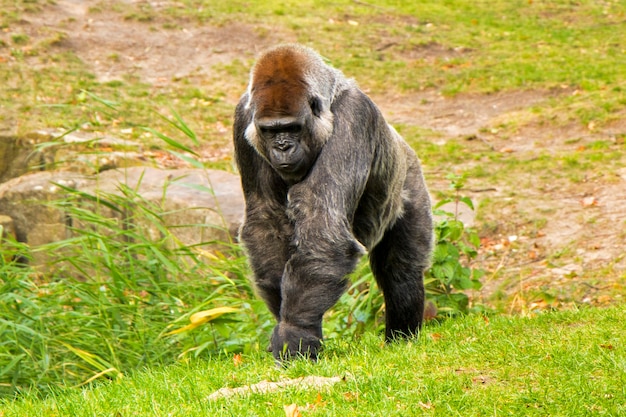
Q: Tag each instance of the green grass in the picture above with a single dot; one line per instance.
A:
(110, 294)
(557, 364)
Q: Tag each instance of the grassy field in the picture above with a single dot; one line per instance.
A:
(558, 364)
(525, 99)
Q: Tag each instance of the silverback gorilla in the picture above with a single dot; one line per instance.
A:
(324, 177)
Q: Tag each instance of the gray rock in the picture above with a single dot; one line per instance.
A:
(54, 149)
(202, 205)
(18, 155)
(24, 199)
(7, 227)
(194, 213)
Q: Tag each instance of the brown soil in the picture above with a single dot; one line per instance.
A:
(584, 221)
(117, 46)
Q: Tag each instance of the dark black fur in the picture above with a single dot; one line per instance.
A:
(351, 185)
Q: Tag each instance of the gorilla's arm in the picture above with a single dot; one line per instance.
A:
(267, 231)
(321, 208)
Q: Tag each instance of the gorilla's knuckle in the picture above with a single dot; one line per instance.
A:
(289, 341)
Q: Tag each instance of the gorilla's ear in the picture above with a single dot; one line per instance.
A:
(316, 106)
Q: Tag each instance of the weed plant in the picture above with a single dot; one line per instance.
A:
(455, 247)
(114, 288)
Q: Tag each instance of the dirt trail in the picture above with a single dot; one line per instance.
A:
(116, 46)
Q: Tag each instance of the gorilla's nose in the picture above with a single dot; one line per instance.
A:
(283, 145)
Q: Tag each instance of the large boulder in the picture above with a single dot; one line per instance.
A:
(200, 206)
(54, 149)
(16, 156)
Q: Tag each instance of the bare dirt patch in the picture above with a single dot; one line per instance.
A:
(115, 46)
(463, 115)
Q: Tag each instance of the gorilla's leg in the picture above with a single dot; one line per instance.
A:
(398, 263)
(314, 279)
(267, 236)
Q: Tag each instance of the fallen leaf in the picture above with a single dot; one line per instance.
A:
(589, 202)
(291, 410)
(435, 336)
(426, 406)
(237, 360)
(351, 396)
(201, 317)
(319, 402)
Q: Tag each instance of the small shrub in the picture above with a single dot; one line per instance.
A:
(450, 275)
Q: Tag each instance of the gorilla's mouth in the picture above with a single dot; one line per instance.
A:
(291, 171)
(288, 167)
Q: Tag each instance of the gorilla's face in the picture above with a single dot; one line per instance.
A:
(289, 137)
(284, 142)
(291, 117)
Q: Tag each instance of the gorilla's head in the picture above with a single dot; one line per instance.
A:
(291, 116)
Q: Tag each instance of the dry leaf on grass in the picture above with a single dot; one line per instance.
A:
(201, 317)
(269, 386)
(589, 202)
(291, 410)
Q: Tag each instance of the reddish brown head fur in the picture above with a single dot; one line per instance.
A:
(278, 82)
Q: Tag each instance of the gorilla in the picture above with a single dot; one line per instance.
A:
(325, 178)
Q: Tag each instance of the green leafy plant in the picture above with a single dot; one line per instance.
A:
(360, 309)
(450, 275)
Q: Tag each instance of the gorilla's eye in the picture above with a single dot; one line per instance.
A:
(291, 128)
(316, 106)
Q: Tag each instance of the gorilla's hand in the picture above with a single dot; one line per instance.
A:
(289, 341)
